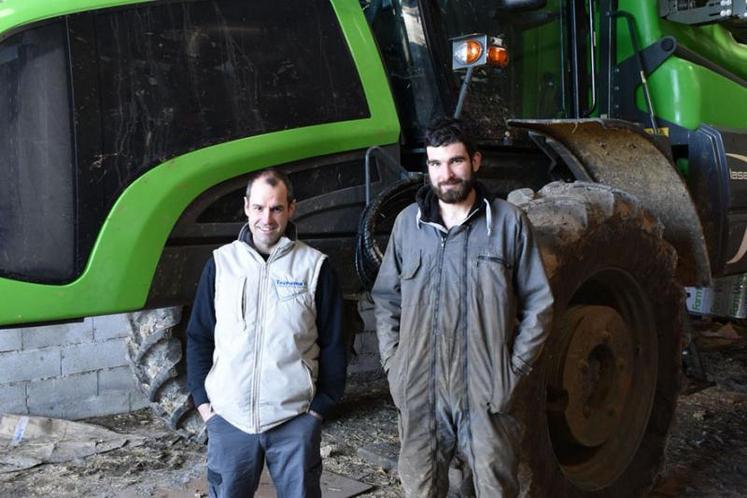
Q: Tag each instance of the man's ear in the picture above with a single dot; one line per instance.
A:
(246, 206)
(476, 159)
(291, 208)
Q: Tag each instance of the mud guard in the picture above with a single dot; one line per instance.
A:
(622, 155)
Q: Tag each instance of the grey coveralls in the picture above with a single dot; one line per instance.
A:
(447, 305)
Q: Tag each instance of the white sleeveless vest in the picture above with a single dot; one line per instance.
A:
(265, 362)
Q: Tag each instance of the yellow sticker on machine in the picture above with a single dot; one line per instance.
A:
(659, 131)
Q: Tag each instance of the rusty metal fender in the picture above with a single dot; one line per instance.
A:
(622, 155)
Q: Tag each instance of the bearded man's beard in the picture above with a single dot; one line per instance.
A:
(457, 194)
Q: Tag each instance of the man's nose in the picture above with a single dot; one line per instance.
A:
(266, 217)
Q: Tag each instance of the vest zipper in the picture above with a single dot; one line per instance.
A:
(259, 334)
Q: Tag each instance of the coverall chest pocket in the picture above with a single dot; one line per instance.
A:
(493, 274)
(413, 283)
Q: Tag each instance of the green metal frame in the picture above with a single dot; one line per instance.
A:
(543, 51)
(124, 258)
(684, 93)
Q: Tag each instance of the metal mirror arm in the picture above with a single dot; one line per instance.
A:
(463, 92)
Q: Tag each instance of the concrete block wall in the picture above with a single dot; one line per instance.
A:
(78, 370)
(366, 345)
(72, 371)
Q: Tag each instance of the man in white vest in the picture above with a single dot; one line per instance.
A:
(265, 354)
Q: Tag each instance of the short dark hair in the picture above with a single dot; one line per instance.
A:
(272, 176)
(445, 130)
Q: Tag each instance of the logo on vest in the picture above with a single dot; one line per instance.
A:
(288, 288)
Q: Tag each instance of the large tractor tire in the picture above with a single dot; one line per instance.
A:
(598, 405)
(155, 351)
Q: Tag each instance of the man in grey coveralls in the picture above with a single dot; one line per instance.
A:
(460, 270)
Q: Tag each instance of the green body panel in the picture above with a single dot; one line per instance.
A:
(689, 95)
(123, 261)
(17, 13)
(684, 93)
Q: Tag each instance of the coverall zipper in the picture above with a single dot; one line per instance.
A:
(434, 330)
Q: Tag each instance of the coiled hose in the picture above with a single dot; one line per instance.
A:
(377, 220)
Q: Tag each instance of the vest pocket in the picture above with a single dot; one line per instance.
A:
(241, 308)
(310, 379)
(230, 300)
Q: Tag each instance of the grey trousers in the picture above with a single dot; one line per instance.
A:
(488, 443)
(235, 458)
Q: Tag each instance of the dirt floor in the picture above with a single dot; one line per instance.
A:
(707, 451)
(706, 456)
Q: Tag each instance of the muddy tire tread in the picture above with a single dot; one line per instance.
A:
(568, 219)
(155, 354)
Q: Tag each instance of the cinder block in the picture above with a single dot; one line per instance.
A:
(367, 363)
(10, 340)
(29, 365)
(75, 397)
(366, 343)
(61, 390)
(110, 327)
(57, 335)
(368, 316)
(46, 410)
(13, 399)
(138, 401)
(365, 303)
(95, 356)
(95, 406)
(116, 379)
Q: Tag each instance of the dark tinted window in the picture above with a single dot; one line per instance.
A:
(37, 222)
(401, 37)
(156, 81)
(532, 85)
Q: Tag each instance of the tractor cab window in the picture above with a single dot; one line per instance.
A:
(93, 101)
(532, 85)
(413, 38)
(36, 156)
(400, 32)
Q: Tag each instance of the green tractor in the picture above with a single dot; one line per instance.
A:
(620, 126)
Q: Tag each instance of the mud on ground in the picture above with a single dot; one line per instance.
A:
(706, 455)
(707, 449)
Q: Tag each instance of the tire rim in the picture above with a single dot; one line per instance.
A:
(601, 381)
